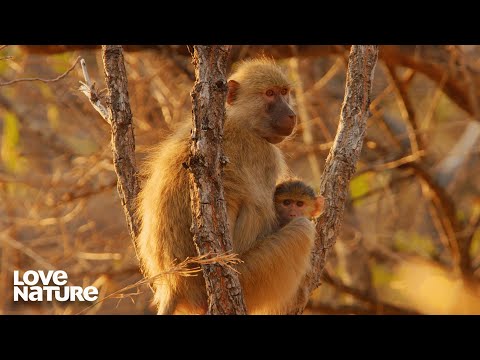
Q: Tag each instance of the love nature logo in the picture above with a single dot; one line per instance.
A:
(49, 286)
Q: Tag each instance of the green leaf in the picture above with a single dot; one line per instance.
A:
(11, 159)
(45, 90)
(360, 185)
(381, 275)
(445, 109)
(52, 116)
(414, 243)
(3, 66)
(475, 246)
(62, 62)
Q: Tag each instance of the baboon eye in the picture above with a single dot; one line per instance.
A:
(299, 203)
(269, 92)
(286, 202)
(284, 91)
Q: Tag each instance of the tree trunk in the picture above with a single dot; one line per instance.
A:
(341, 161)
(209, 215)
(123, 139)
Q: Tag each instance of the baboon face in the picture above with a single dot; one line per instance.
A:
(279, 115)
(294, 199)
(259, 96)
(289, 209)
(268, 109)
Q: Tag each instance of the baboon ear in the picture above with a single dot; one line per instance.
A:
(232, 91)
(318, 206)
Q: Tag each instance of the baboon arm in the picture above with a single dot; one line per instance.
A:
(273, 269)
(233, 211)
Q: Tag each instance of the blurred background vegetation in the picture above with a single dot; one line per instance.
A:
(410, 239)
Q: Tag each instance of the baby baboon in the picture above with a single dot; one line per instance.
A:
(293, 199)
(258, 115)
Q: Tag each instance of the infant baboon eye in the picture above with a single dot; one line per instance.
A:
(299, 203)
(286, 202)
(284, 91)
(269, 92)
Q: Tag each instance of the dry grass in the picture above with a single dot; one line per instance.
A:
(183, 268)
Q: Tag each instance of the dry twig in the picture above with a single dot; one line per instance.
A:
(60, 77)
(188, 267)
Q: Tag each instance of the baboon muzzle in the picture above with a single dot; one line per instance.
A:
(283, 117)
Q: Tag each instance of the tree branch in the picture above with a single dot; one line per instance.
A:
(392, 164)
(395, 55)
(59, 77)
(407, 110)
(449, 222)
(341, 162)
(123, 139)
(378, 305)
(88, 88)
(209, 213)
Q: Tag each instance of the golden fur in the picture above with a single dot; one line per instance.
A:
(274, 260)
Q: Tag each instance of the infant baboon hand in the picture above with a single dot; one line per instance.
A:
(302, 224)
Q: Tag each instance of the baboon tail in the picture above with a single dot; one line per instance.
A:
(166, 304)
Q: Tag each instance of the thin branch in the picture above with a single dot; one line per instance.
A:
(396, 55)
(436, 217)
(6, 239)
(392, 164)
(43, 80)
(342, 160)
(85, 73)
(6, 179)
(406, 109)
(304, 149)
(380, 306)
(304, 117)
(470, 85)
(118, 115)
(445, 208)
(444, 199)
(92, 95)
(438, 92)
(455, 90)
(339, 63)
(50, 221)
(69, 196)
(406, 80)
(458, 155)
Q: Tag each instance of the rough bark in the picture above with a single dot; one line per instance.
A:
(209, 216)
(341, 161)
(123, 140)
